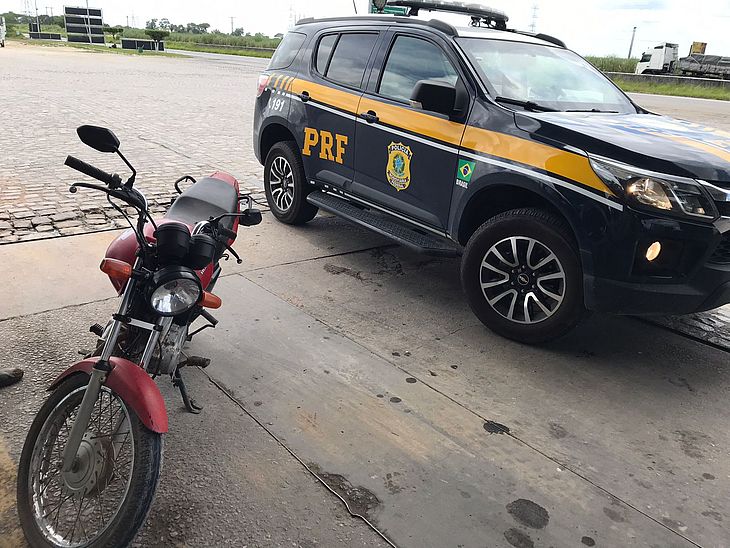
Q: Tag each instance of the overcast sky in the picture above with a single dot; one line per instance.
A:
(598, 27)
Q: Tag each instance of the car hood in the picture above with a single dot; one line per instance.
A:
(649, 141)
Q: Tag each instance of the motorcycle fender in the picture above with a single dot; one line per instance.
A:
(133, 385)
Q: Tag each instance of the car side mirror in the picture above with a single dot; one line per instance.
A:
(98, 138)
(435, 96)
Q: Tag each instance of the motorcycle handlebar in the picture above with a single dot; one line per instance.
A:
(113, 180)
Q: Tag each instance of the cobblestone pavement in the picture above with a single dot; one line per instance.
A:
(172, 115)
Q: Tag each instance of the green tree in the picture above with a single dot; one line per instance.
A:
(157, 35)
(115, 31)
(164, 24)
(151, 24)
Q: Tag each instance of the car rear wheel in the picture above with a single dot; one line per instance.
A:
(286, 185)
(522, 277)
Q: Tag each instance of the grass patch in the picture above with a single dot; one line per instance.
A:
(190, 46)
(613, 63)
(680, 90)
(99, 48)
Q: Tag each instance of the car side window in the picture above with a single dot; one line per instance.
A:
(411, 60)
(287, 50)
(324, 49)
(350, 58)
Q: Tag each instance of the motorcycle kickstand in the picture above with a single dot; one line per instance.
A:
(190, 404)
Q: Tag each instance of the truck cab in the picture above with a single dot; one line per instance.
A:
(662, 59)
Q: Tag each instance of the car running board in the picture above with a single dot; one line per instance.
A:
(387, 225)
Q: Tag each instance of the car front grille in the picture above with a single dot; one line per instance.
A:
(722, 253)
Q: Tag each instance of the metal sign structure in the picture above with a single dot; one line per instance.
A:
(84, 24)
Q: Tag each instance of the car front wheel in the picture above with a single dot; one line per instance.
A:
(522, 277)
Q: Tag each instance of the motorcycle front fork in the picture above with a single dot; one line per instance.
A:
(102, 368)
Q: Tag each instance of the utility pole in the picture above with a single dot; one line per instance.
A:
(231, 24)
(533, 24)
(631, 47)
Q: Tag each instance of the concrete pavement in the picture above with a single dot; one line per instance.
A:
(364, 360)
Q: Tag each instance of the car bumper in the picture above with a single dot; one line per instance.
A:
(691, 274)
(616, 297)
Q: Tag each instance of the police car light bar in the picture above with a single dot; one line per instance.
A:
(491, 17)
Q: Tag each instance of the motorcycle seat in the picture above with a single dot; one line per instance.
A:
(209, 197)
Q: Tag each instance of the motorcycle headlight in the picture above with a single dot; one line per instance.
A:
(176, 289)
(674, 195)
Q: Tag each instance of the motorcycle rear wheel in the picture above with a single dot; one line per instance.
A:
(104, 500)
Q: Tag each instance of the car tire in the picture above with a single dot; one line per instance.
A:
(522, 276)
(286, 185)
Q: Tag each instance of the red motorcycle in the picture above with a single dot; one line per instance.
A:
(92, 458)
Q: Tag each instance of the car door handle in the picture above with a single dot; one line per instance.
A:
(304, 96)
(370, 117)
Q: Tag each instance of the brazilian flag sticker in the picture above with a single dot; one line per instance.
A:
(464, 171)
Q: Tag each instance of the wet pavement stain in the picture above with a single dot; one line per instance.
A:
(395, 399)
(528, 513)
(495, 428)
(712, 514)
(518, 539)
(390, 484)
(557, 431)
(588, 541)
(681, 382)
(337, 270)
(708, 476)
(692, 442)
(361, 501)
(614, 515)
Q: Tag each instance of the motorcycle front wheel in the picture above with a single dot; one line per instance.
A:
(104, 499)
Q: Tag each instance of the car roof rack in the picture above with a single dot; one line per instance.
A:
(480, 15)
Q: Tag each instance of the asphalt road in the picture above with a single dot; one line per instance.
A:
(702, 111)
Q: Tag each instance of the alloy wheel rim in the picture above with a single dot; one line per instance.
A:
(281, 183)
(74, 509)
(522, 280)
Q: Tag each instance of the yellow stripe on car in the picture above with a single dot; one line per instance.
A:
(501, 145)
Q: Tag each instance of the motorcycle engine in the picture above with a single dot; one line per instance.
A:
(170, 349)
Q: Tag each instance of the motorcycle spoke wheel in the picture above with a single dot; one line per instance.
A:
(73, 508)
(105, 497)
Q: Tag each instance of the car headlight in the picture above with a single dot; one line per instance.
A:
(675, 195)
(176, 289)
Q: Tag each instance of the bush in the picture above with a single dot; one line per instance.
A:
(613, 63)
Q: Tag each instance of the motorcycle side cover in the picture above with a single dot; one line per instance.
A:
(133, 385)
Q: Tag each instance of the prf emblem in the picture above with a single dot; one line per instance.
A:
(325, 140)
(398, 170)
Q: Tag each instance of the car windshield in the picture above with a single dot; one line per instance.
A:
(543, 77)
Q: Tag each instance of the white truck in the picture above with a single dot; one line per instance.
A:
(660, 60)
(2, 32)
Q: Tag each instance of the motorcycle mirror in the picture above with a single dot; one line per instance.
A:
(98, 138)
(250, 217)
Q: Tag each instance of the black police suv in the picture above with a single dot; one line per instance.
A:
(505, 148)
